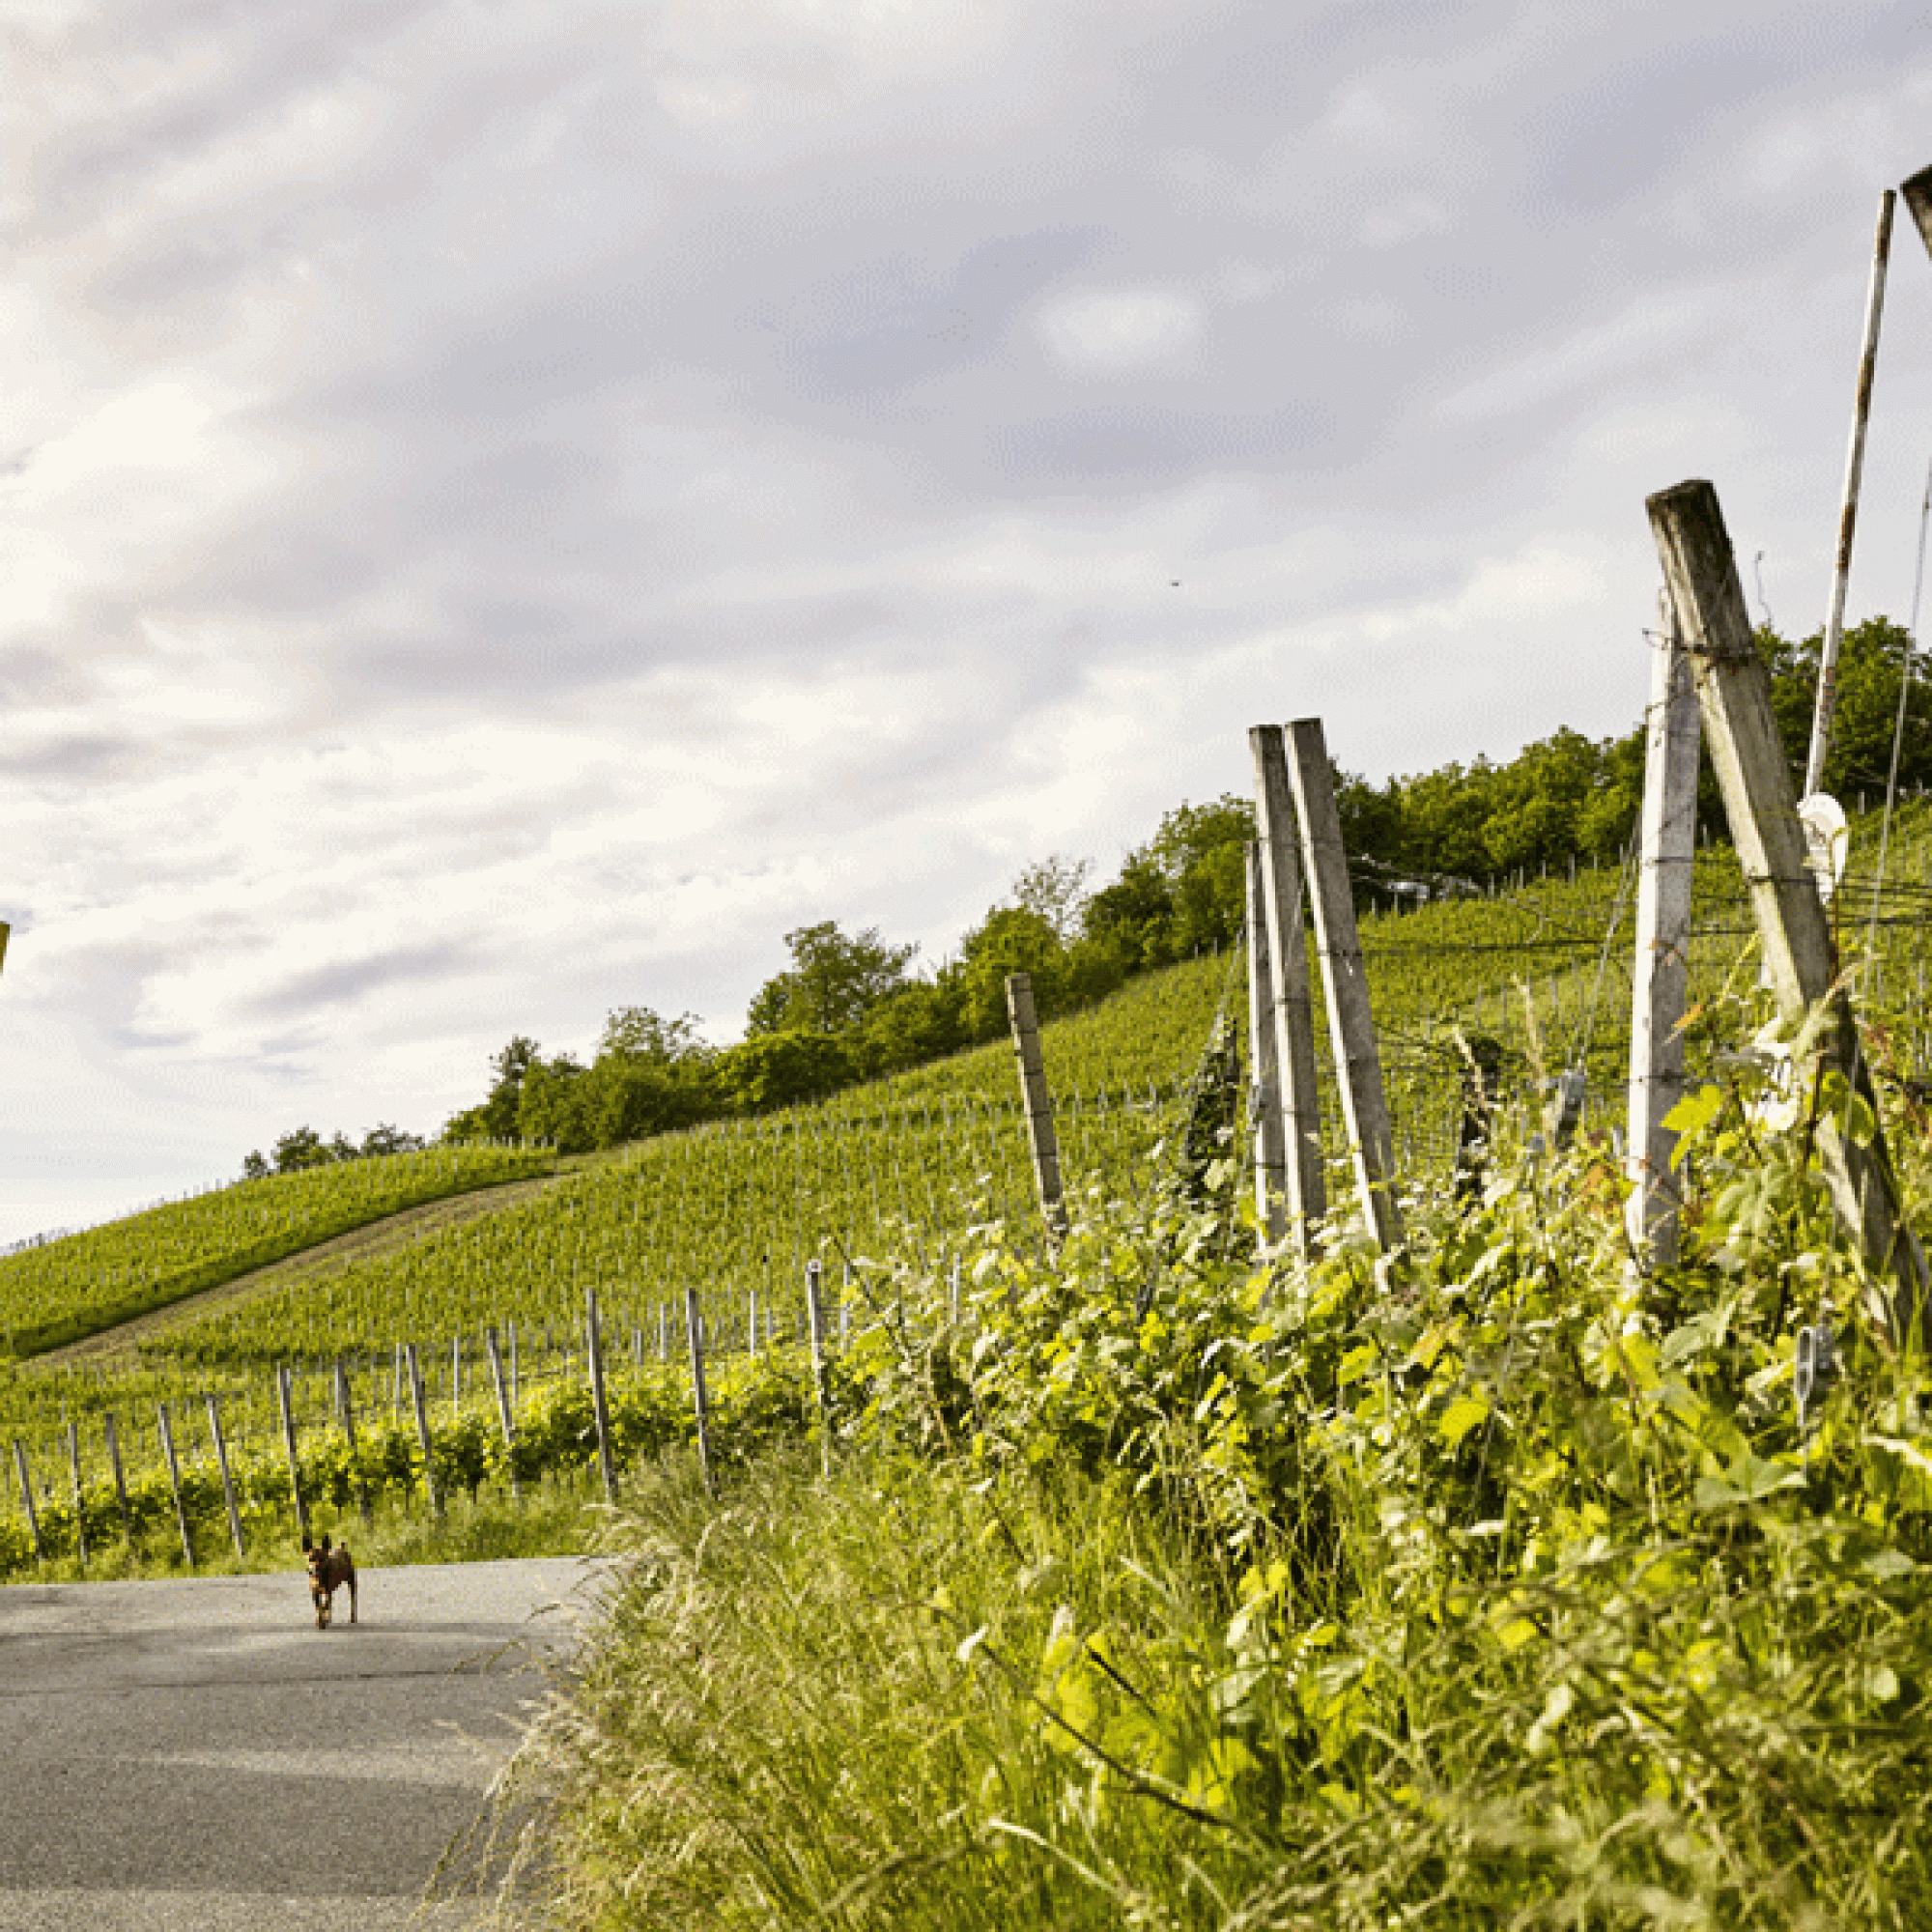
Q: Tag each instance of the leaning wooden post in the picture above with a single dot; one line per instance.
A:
(1848, 513)
(814, 1314)
(1038, 1101)
(509, 1427)
(80, 1501)
(1658, 980)
(27, 1497)
(120, 1479)
(594, 1353)
(175, 1484)
(693, 1325)
(345, 1408)
(227, 1480)
(417, 1402)
(1304, 1183)
(1351, 1023)
(1271, 1156)
(1734, 697)
(285, 1396)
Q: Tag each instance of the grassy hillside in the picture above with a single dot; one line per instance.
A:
(77, 1285)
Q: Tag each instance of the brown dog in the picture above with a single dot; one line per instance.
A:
(328, 1569)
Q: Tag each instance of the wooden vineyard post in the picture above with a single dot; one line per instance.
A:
(1305, 1187)
(80, 1501)
(227, 1480)
(699, 1402)
(1848, 514)
(1038, 1101)
(1741, 728)
(594, 1355)
(1271, 1157)
(120, 1479)
(1658, 981)
(1351, 1025)
(175, 1484)
(27, 1497)
(345, 1408)
(504, 1412)
(814, 1315)
(456, 1376)
(286, 1396)
(414, 1374)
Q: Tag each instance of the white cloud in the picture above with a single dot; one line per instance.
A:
(1121, 333)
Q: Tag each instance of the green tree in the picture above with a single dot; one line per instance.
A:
(779, 1069)
(556, 1103)
(834, 981)
(1009, 940)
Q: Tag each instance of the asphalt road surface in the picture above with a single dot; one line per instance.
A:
(196, 1756)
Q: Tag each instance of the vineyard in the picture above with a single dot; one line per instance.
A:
(913, 1170)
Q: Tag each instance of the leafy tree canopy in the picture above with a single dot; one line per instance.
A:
(834, 981)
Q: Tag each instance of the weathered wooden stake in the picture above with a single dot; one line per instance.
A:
(1741, 730)
(285, 1395)
(227, 1480)
(79, 1502)
(1351, 1023)
(504, 1418)
(175, 1484)
(1038, 1101)
(814, 1316)
(594, 1356)
(1848, 513)
(1304, 1183)
(27, 1496)
(345, 1411)
(120, 1479)
(1659, 978)
(699, 1402)
(1271, 1206)
(417, 1402)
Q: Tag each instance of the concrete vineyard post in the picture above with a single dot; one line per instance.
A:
(120, 1479)
(1351, 1025)
(699, 1402)
(814, 1315)
(1039, 1102)
(174, 1484)
(1848, 513)
(594, 1358)
(227, 1480)
(27, 1496)
(1305, 1184)
(285, 1396)
(417, 1402)
(345, 1409)
(80, 1501)
(1658, 980)
(1754, 779)
(509, 1428)
(1264, 1062)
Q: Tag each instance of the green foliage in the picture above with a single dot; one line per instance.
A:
(59, 1291)
(1174, 1583)
(779, 1069)
(832, 984)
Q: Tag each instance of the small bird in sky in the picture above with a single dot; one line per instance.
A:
(1176, 585)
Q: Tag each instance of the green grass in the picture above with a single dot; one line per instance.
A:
(79, 1284)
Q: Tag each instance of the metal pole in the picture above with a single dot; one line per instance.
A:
(1848, 515)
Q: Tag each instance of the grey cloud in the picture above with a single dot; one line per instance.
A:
(348, 982)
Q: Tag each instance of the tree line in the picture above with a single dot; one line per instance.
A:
(852, 1007)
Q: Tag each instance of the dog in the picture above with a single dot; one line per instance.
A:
(328, 1569)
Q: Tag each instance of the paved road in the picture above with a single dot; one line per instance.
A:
(196, 1756)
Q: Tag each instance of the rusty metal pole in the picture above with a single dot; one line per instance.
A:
(1848, 514)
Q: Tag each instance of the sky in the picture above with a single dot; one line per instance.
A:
(508, 509)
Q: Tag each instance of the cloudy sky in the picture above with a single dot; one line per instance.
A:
(505, 509)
